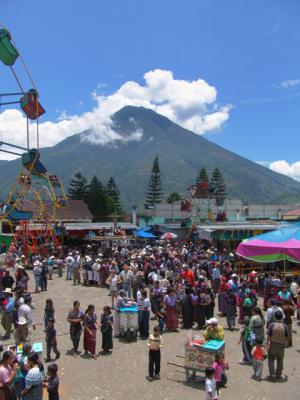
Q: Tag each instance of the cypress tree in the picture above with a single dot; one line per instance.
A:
(174, 196)
(202, 184)
(77, 189)
(154, 193)
(98, 201)
(217, 187)
(112, 190)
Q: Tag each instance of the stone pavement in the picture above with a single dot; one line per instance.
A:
(121, 376)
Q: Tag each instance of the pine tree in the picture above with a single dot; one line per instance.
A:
(217, 187)
(77, 189)
(98, 201)
(202, 185)
(112, 190)
(154, 193)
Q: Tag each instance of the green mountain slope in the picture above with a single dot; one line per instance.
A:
(181, 154)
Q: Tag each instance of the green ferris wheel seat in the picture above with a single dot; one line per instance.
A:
(8, 53)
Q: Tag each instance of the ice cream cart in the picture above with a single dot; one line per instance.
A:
(129, 322)
(198, 357)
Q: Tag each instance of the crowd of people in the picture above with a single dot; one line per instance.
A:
(178, 285)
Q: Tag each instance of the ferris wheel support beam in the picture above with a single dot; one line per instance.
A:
(11, 152)
(12, 145)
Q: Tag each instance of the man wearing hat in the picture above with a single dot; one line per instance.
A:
(25, 311)
(277, 334)
(8, 308)
(69, 262)
(37, 271)
(76, 269)
(213, 330)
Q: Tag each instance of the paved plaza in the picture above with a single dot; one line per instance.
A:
(121, 376)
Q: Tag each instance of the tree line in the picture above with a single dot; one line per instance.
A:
(205, 187)
(102, 200)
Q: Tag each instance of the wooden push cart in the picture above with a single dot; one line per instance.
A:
(199, 357)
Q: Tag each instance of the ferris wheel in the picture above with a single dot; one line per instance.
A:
(33, 179)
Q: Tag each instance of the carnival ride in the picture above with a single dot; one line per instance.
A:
(36, 195)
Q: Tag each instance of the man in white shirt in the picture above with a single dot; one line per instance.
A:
(70, 262)
(126, 277)
(25, 311)
(76, 268)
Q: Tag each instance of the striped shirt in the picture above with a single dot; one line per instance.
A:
(155, 342)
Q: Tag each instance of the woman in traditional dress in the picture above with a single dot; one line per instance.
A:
(106, 330)
(230, 306)
(257, 323)
(75, 318)
(170, 300)
(222, 293)
(204, 301)
(34, 379)
(103, 274)
(90, 327)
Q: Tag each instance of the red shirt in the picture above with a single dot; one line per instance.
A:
(189, 276)
(258, 353)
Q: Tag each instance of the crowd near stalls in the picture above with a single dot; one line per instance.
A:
(180, 286)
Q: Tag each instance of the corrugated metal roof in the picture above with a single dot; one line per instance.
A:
(98, 225)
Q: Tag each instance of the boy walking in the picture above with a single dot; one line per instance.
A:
(259, 354)
(51, 340)
(52, 384)
(154, 344)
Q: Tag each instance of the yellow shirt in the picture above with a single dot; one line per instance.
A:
(214, 334)
(155, 342)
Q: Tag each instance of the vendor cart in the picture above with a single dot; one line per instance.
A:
(198, 357)
(129, 323)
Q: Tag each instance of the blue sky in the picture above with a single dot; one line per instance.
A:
(245, 49)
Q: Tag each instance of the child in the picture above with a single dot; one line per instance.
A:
(49, 312)
(51, 340)
(245, 339)
(258, 356)
(219, 366)
(160, 314)
(154, 344)
(210, 385)
(106, 330)
(53, 382)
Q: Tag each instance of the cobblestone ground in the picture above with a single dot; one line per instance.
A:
(121, 376)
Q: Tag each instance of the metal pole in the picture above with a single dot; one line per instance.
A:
(12, 145)
(11, 152)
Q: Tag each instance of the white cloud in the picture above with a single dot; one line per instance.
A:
(191, 104)
(283, 167)
(289, 83)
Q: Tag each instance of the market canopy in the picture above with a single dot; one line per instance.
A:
(277, 245)
(144, 233)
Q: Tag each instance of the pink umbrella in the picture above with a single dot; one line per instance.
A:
(169, 236)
